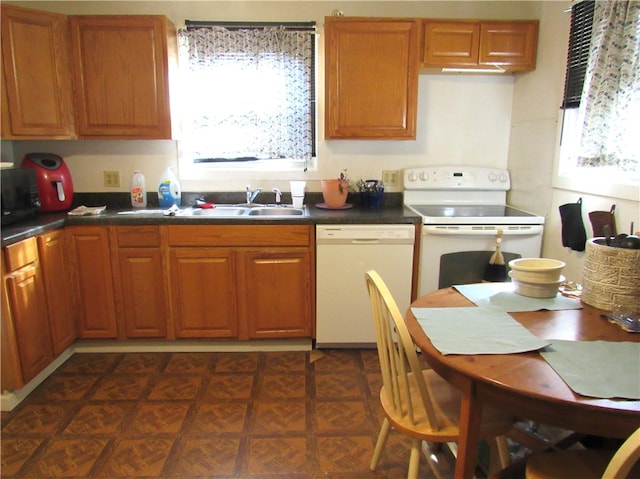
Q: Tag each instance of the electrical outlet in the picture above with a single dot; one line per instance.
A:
(111, 179)
(391, 177)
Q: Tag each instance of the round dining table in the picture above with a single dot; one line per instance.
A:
(524, 384)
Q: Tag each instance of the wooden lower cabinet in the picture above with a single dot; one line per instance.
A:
(54, 260)
(203, 292)
(91, 279)
(26, 337)
(276, 292)
(140, 282)
(143, 309)
(241, 281)
(205, 281)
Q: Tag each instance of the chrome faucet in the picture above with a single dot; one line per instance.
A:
(252, 195)
(278, 196)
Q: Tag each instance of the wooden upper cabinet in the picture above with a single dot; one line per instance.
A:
(510, 44)
(371, 83)
(36, 83)
(504, 44)
(451, 44)
(121, 74)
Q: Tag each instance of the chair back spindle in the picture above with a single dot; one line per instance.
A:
(399, 362)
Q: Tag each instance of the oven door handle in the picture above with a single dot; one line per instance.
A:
(471, 230)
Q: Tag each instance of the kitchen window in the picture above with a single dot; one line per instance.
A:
(600, 147)
(247, 97)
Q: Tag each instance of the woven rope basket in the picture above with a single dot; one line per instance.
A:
(611, 276)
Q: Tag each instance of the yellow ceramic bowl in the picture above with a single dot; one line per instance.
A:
(536, 270)
(537, 290)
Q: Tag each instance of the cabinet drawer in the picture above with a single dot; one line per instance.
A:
(20, 254)
(130, 236)
(239, 235)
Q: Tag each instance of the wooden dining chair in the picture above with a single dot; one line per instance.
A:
(416, 401)
(588, 463)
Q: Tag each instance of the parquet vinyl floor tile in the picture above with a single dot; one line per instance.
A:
(254, 415)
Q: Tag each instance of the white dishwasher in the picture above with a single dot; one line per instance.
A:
(344, 253)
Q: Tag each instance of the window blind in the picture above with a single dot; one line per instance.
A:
(578, 52)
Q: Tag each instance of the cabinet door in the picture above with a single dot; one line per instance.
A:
(121, 75)
(450, 44)
(276, 291)
(37, 81)
(140, 281)
(53, 260)
(142, 292)
(371, 68)
(512, 44)
(10, 370)
(203, 292)
(91, 280)
(30, 320)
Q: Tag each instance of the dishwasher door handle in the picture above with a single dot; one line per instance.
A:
(365, 241)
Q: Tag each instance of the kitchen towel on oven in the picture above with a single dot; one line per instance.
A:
(574, 235)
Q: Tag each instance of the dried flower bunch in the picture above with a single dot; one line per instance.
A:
(342, 179)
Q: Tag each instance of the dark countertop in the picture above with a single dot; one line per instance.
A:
(40, 224)
(392, 213)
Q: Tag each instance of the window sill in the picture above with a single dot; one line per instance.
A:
(594, 185)
(249, 169)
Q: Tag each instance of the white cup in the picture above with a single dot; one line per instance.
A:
(297, 193)
(297, 188)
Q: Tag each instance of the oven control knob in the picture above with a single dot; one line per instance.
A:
(503, 178)
(424, 176)
(412, 176)
(492, 176)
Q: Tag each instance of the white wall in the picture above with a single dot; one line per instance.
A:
(462, 119)
(535, 137)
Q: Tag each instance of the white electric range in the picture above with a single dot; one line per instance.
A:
(463, 209)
